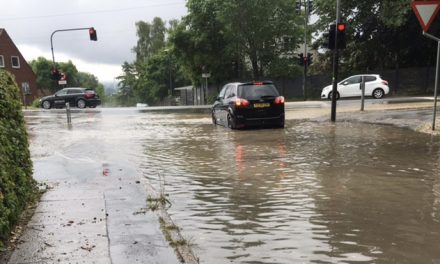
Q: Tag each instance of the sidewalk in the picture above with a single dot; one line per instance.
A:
(103, 221)
(96, 209)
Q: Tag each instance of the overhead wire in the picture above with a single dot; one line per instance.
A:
(91, 12)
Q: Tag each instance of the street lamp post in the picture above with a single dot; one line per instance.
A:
(63, 30)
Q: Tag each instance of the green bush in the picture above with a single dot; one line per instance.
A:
(36, 103)
(17, 187)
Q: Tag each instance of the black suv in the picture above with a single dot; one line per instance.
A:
(242, 105)
(75, 96)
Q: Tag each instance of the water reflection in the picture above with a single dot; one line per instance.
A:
(311, 193)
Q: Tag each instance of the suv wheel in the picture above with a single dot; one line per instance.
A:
(46, 105)
(231, 122)
(81, 103)
(214, 121)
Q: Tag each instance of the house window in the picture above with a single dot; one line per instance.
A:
(15, 61)
(2, 61)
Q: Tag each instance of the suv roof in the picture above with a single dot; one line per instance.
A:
(250, 83)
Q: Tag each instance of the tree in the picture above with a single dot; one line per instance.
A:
(235, 39)
(43, 67)
(151, 38)
(380, 35)
(155, 68)
(201, 44)
(127, 82)
(257, 29)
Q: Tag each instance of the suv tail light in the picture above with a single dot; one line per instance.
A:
(279, 100)
(385, 82)
(89, 94)
(240, 102)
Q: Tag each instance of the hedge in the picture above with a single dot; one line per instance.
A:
(17, 187)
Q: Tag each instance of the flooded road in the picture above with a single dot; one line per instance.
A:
(311, 193)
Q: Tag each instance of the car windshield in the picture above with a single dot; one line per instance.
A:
(256, 92)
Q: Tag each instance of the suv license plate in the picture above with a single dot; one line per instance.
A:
(261, 105)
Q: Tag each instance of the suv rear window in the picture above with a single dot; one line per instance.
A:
(255, 92)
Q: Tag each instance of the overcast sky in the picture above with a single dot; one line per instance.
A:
(31, 22)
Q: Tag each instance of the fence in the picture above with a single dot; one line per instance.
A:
(408, 81)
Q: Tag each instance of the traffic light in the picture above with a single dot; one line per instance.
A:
(341, 35)
(331, 37)
(55, 75)
(309, 59)
(92, 33)
(298, 7)
(340, 30)
(310, 6)
(301, 59)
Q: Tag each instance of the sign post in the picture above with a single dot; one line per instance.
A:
(205, 91)
(436, 78)
(362, 93)
(427, 14)
(25, 90)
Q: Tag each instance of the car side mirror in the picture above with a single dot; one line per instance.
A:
(218, 98)
(344, 83)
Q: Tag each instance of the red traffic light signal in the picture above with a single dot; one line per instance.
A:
(342, 43)
(92, 33)
(338, 29)
(341, 27)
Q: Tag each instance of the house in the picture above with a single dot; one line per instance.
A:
(12, 61)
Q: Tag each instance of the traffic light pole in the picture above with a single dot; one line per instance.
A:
(335, 66)
(61, 30)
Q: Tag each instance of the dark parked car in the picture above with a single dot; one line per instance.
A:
(250, 104)
(75, 96)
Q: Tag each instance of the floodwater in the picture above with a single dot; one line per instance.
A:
(310, 193)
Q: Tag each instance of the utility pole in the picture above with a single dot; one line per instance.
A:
(335, 65)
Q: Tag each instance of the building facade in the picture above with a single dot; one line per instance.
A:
(12, 61)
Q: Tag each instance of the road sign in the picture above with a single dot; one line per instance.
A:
(25, 88)
(426, 12)
(206, 75)
(62, 82)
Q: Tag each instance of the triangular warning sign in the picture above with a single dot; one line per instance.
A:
(426, 12)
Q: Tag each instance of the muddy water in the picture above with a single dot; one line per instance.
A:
(310, 193)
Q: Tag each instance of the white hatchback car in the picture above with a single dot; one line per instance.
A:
(375, 86)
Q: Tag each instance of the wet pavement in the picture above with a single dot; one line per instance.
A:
(313, 192)
(95, 210)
